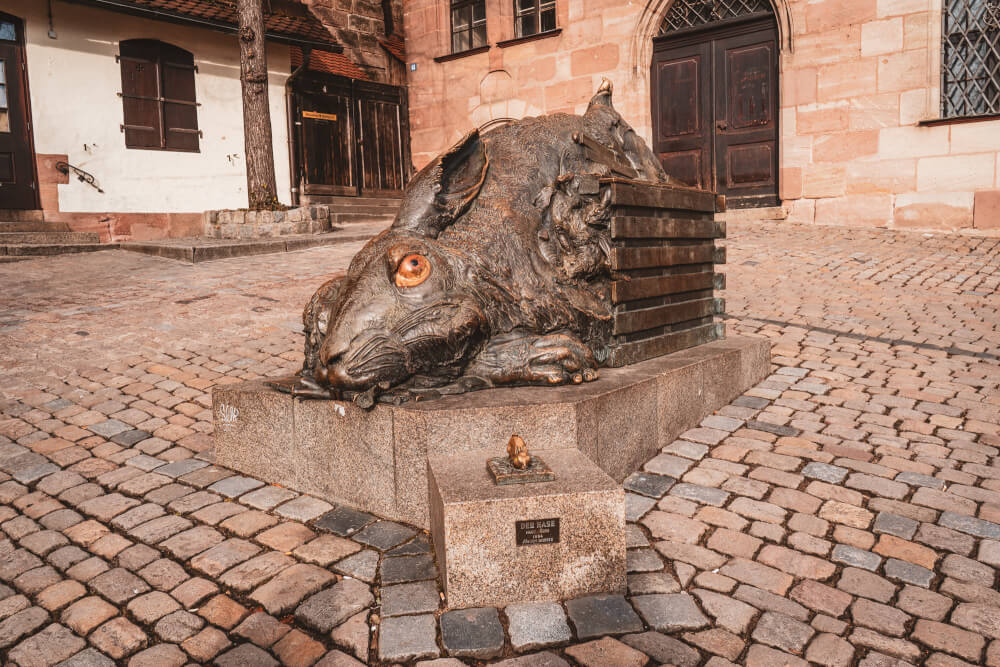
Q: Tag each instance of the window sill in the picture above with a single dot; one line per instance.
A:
(529, 38)
(931, 122)
(163, 150)
(462, 54)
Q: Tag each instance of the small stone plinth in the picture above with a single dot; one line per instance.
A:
(502, 471)
(376, 460)
(477, 526)
(244, 224)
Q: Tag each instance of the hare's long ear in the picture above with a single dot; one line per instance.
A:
(602, 98)
(443, 190)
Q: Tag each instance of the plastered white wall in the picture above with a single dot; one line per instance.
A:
(74, 83)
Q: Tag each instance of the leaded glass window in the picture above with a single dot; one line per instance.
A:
(970, 61)
(532, 17)
(693, 13)
(468, 25)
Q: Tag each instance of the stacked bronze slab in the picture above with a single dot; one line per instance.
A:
(664, 258)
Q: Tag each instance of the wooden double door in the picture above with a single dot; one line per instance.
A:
(17, 157)
(352, 137)
(715, 110)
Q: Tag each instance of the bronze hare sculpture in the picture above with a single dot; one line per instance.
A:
(495, 272)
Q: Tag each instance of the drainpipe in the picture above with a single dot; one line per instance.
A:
(293, 142)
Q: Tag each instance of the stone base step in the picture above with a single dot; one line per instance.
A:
(370, 206)
(353, 218)
(17, 226)
(767, 213)
(349, 202)
(372, 210)
(202, 249)
(47, 237)
(32, 250)
(21, 215)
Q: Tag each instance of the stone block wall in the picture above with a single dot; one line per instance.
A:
(243, 224)
(857, 78)
(358, 26)
(858, 87)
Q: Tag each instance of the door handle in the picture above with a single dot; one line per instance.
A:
(721, 125)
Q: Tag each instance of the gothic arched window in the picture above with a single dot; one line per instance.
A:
(694, 13)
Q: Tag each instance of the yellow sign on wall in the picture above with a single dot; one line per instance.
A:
(319, 115)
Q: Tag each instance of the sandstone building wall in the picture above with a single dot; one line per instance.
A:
(859, 80)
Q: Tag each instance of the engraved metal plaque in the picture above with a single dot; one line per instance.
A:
(537, 531)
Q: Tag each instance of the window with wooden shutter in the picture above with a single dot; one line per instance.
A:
(158, 96)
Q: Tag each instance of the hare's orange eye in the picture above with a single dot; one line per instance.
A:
(412, 271)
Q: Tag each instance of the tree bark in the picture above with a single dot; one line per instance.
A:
(259, 149)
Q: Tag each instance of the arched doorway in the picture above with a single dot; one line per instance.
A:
(714, 80)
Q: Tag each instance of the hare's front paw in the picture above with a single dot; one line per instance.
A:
(561, 358)
(522, 358)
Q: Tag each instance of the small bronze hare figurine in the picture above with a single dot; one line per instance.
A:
(496, 271)
(517, 452)
(519, 467)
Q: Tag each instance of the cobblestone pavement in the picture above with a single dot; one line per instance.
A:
(846, 511)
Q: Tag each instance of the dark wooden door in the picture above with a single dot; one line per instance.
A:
(746, 137)
(682, 113)
(380, 136)
(715, 110)
(17, 156)
(327, 142)
(351, 137)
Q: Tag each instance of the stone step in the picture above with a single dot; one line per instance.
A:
(356, 204)
(360, 218)
(392, 202)
(374, 210)
(29, 251)
(21, 215)
(47, 237)
(767, 213)
(12, 226)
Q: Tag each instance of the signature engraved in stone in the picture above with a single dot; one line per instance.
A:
(228, 415)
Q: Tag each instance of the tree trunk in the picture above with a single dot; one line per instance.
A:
(261, 187)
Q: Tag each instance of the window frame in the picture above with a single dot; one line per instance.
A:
(473, 25)
(5, 125)
(959, 39)
(162, 56)
(539, 7)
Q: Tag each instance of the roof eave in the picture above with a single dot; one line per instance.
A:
(125, 7)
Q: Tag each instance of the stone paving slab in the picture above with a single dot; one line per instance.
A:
(845, 511)
(203, 249)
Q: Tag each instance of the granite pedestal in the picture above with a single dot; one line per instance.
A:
(501, 544)
(376, 460)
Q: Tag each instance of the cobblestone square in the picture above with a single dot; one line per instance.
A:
(845, 511)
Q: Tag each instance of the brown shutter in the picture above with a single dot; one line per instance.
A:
(158, 96)
(180, 110)
(141, 93)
